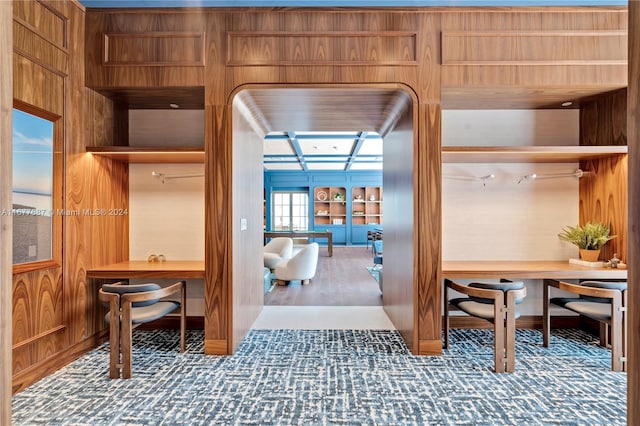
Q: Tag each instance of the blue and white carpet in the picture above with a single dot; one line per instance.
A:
(334, 377)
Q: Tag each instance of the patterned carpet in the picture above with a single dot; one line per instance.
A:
(334, 377)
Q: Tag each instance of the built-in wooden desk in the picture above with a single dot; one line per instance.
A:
(143, 269)
(535, 269)
(303, 234)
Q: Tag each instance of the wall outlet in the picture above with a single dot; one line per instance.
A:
(243, 224)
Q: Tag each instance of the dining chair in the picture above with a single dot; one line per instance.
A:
(496, 303)
(602, 301)
(131, 305)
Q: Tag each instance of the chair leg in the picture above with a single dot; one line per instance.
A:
(510, 338)
(114, 343)
(126, 342)
(604, 334)
(183, 317)
(616, 337)
(625, 315)
(446, 316)
(546, 318)
(498, 345)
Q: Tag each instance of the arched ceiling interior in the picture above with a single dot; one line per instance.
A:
(313, 128)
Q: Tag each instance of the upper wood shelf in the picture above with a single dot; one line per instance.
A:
(528, 154)
(149, 154)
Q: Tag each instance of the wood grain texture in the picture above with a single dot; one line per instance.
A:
(169, 46)
(603, 121)
(56, 310)
(526, 270)
(633, 137)
(177, 269)
(158, 49)
(335, 48)
(518, 47)
(44, 20)
(528, 154)
(218, 228)
(506, 74)
(128, 154)
(428, 300)
(39, 322)
(6, 223)
(603, 197)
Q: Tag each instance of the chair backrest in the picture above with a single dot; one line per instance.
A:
(610, 285)
(303, 265)
(504, 285)
(132, 288)
(282, 246)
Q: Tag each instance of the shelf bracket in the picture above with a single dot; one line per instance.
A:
(578, 173)
(164, 177)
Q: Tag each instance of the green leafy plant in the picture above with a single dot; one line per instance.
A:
(590, 236)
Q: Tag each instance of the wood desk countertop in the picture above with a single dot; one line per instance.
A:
(144, 269)
(536, 269)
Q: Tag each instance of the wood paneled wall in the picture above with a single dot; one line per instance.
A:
(56, 316)
(307, 47)
(528, 57)
(603, 195)
(633, 136)
(6, 105)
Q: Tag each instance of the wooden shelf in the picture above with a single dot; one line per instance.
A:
(528, 154)
(148, 154)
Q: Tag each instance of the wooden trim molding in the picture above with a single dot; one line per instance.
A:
(28, 376)
(6, 222)
(215, 347)
(534, 48)
(314, 48)
(39, 336)
(154, 49)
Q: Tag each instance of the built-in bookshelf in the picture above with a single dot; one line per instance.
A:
(366, 205)
(330, 206)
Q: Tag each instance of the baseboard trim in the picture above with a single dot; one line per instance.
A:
(53, 363)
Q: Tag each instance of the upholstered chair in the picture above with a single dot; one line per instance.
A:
(301, 267)
(277, 250)
(496, 303)
(602, 301)
(131, 305)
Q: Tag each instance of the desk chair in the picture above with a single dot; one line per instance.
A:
(130, 306)
(603, 301)
(496, 303)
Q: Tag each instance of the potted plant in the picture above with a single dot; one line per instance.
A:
(589, 238)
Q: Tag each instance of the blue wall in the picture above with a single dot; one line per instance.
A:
(298, 180)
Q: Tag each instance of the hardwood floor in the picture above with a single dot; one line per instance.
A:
(341, 280)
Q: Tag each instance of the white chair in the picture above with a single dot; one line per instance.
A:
(301, 267)
(277, 250)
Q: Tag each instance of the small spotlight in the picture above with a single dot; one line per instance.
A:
(174, 106)
(566, 104)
